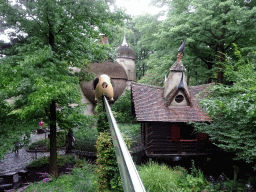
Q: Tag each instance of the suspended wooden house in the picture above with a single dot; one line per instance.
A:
(164, 113)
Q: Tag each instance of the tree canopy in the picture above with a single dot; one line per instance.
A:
(232, 108)
(209, 27)
(50, 36)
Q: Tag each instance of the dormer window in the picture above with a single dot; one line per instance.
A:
(176, 90)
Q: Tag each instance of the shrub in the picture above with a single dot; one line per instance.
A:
(85, 145)
(39, 162)
(61, 139)
(155, 177)
(61, 161)
(40, 143)
(162, 178)
(86, 133)
(102, 120)
(122, 108)
(232, 185)
(85, 139)
(107, 169)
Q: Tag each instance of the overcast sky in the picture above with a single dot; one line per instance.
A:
(137, 7)
(132, 7)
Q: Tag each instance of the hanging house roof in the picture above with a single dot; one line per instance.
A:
(150, 105)
(114, 70)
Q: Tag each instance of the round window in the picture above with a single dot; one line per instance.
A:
(179, 98)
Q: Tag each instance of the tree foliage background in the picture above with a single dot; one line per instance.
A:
(49, 37)
(210, 28)
(232, 108)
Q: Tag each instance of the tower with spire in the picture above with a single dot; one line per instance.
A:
(175, 88)
(125, 57)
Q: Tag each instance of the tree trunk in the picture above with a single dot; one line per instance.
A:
(53, 141)
(220, 77)
(236, 170)
(222, 53)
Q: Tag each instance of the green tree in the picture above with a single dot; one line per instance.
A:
(232, 108)
(50, 36)
(122, 108)
(142, 39)
(210, 28)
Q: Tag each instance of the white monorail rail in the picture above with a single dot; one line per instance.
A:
(130, 178)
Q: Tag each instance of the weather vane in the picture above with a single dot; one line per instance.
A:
(181, 51)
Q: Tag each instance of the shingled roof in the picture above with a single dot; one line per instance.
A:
(150, 105)
(112, 69)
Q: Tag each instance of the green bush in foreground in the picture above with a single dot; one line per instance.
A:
(107, 169)
(162, 178)
(155, 177)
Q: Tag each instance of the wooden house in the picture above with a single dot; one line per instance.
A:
(164, 113)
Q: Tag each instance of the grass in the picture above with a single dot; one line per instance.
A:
(162, 178)
(80, 179)
(155, 177)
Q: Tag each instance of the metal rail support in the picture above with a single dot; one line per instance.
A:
(130, 178)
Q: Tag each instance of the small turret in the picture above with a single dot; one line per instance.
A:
(175, 87)
(125, 57)
(125, 51)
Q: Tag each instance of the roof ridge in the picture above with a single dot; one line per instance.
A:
(213, 83)
(154, 86)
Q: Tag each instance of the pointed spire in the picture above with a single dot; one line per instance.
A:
(124, 42)
(182, 47)
(181, 51)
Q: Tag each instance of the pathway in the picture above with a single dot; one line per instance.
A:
(18, 161)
